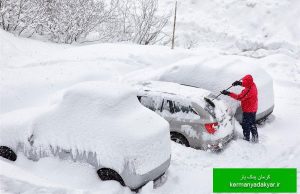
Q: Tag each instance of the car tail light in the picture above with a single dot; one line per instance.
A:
(211, 127)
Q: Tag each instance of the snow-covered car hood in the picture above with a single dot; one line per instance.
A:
(103, 118)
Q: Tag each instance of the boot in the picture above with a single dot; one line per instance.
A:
(246, 139)
(254, 139)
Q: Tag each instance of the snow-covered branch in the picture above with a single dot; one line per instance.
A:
(68, 21)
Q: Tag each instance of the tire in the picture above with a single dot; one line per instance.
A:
(8, 153)
(179, 138)
(106, 174)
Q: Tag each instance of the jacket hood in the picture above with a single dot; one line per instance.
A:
(247, 81)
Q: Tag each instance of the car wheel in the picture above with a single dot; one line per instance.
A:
(8, 153)
(179, 138)
(107, 174)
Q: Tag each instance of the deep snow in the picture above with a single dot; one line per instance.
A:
(238, 25)
(265, 33)
(190, 170)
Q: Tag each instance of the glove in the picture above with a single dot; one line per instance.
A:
(225, 92)
(237, 83)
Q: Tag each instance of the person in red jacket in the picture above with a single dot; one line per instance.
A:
(249, 103)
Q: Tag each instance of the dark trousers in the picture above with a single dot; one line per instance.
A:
(249, 125)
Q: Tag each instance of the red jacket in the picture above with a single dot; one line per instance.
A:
(248, 96)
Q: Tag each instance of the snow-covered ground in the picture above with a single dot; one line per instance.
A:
(265, 33)
(237, 25)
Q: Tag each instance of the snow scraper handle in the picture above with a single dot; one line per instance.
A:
(209, 101)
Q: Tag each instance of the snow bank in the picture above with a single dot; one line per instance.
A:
(106, 119)
(31, 71)
(15, 51)
(34, 86)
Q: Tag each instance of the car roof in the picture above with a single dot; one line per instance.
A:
(173, 91)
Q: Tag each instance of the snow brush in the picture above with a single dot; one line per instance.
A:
(210, 101)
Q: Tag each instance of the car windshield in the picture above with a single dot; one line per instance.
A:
(210, 109)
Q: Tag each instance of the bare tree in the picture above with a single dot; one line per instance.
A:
(139, 21)
(20, 16)
(66, 21)
(70, 20)
(147, 24)
(60, 20)
(135, 21)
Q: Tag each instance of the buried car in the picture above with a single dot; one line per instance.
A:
(218, 73)
(193, 121)
(99, 123)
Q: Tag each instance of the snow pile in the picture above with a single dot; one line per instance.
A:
(15, 51)
(25, 82)
(20, 52)
(94, 117)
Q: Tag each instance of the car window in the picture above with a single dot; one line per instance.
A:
(184, 107)
(179, 109)
(153, 103)
(168, 105)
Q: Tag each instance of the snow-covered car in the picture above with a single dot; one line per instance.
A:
(193, 121)
(99, 123)
(217, 74)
